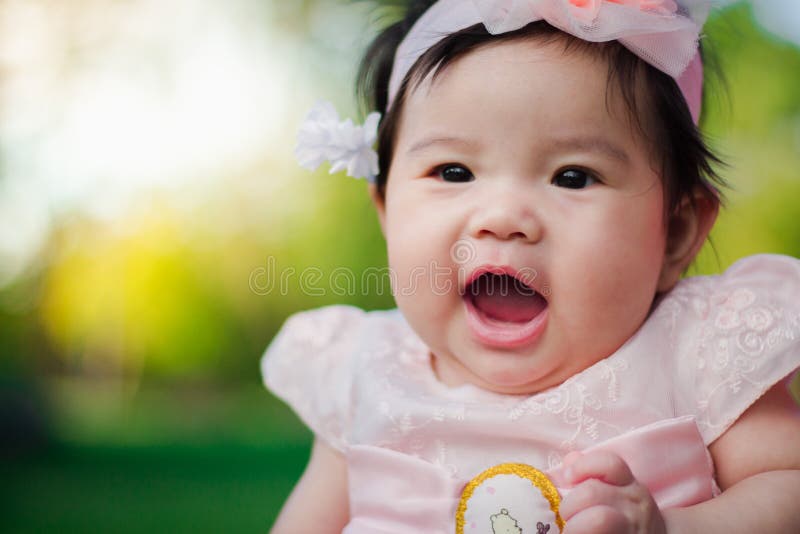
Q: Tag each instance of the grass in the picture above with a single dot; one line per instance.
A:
(167, 460)
(149, 489)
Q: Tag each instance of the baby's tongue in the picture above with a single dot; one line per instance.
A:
(505, 298)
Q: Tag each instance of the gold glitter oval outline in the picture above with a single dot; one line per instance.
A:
(538, 479)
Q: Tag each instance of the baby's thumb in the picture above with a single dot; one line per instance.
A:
(561, 475)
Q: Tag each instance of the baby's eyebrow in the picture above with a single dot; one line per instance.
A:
(579, 143)
(460, 142)
(590, 144)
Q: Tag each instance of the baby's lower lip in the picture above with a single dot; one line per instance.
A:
(502, 334)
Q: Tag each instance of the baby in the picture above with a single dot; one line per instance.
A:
(542, 185)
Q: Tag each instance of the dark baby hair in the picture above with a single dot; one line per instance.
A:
(663, 115)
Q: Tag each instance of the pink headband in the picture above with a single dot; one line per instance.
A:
(660, 32)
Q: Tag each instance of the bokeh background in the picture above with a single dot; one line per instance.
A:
(149, 204)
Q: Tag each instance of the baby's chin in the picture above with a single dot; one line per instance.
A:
(518, 383)
(511, 379)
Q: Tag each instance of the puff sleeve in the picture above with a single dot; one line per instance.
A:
(310, 364)
(748, 339)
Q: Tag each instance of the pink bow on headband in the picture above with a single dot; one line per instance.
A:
(588, 9)
(585, 11)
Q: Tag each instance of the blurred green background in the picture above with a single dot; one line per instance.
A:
(149, 203)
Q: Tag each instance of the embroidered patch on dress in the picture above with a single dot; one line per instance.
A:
(509, 499)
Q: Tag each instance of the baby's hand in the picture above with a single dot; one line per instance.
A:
(606, 498)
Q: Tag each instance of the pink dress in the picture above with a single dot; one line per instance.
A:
(362, 381)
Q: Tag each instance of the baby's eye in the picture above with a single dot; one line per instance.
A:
(454, 173)
(574, 179)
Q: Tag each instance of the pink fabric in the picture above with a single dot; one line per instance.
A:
(391, 492)
(691, 84)
(363, 382)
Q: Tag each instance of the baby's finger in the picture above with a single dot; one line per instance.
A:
(597, 520)
(589, 494)
(606, 466)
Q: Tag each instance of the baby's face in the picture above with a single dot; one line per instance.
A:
(517, 160)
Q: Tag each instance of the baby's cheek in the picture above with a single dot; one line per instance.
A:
(602, 298)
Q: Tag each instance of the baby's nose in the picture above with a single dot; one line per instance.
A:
(506, 217)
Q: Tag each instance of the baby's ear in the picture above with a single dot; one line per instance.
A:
(687, 229)
(379, 202)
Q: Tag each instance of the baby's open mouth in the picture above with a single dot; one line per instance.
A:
(503, 297)
(502, 311)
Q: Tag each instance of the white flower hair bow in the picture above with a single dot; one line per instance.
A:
(324, 137)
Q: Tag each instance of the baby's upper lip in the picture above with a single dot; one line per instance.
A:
(526, 275)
